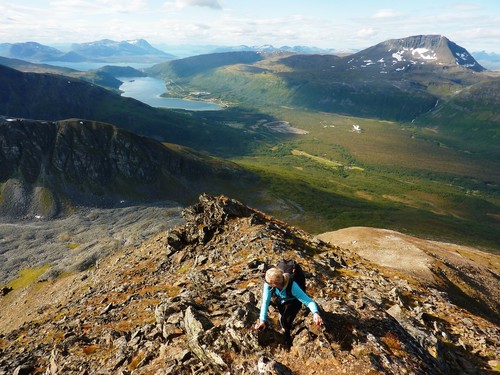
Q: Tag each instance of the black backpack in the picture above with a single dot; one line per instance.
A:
(296, 274)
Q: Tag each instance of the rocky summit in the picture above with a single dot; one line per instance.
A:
(413, 52)
(185, 300)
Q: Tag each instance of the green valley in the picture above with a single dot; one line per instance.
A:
(388, 175)
(400, 144)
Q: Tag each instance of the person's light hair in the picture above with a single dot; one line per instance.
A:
(275, 276)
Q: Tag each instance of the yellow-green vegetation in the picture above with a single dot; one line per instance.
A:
(46, 199)
(27, 277)
(73, 246)
(185, 267)
(320, 160)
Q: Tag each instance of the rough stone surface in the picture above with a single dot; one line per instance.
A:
(184, 302)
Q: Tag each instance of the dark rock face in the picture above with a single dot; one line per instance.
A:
(43, 164)
(184, 302)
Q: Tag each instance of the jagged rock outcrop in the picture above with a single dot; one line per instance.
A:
(49, 167)
(185, 301)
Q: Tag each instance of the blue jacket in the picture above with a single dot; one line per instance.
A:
(296, 292)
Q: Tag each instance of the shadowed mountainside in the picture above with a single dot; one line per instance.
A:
(184, 302)
(48, 168)
(55, 97)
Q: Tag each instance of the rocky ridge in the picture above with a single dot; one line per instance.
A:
(47, 168)
(184, 302)
(467, 275)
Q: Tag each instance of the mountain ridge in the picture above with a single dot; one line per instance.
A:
(184, 301)
(48, 168)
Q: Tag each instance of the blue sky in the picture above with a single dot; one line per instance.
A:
(342, 25)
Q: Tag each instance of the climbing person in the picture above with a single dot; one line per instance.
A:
(289, 298)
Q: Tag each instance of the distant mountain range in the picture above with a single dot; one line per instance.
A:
(270, 48)
(488, 60)
(109, 51)
(483, 55)
(105, 51)
(398, 79)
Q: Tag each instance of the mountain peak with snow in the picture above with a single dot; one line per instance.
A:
(415, 51)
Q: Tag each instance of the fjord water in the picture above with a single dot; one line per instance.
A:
(149, 89)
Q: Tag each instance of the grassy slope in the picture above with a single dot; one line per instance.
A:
(391, 177)
(473, 114)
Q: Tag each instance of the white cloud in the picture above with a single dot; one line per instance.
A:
(385, 13)
(462, 6)
(213, 4)
(478, 38)
(366, 32)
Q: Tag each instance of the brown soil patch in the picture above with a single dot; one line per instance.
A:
(405, 253)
